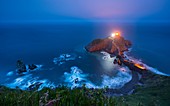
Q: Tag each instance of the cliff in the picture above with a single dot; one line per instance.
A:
(113, 45)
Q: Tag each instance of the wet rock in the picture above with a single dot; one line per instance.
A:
(115, 61)
(32, 66)
(76, 80)
(34, 86)
(21, 67)
(119, 62)
(132, 66)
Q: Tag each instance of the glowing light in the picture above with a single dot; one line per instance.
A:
(115, 34)
(140, 66)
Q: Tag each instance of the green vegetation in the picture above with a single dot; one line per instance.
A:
(154, 92)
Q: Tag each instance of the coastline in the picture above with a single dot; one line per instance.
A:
(144, 85)
(135, 92)
(155, 88)
(116, 46)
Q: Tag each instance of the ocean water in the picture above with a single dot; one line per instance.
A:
(58, 50)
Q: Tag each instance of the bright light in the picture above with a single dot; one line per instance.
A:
(115, 34)
(140, 66)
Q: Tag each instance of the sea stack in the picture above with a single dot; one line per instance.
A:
(114, 45)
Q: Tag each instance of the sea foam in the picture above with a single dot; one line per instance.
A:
(10, 73)
(119, 80)
(76, 78)
(26, 81)
(139, 61)
(63, 58)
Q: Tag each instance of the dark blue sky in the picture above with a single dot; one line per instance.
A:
(88, 10)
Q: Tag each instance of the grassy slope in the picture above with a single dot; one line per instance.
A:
(154, 92)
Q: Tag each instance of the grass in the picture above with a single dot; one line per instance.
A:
(154, 92)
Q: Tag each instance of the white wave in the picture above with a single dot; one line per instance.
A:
(76, 78)
(139, 61)
(63, 58)
(156, 71)
(20, 82)
(39, 67)
(10, 73)
(122, 77)
(26, 81)
(107, 57)
(106, 62)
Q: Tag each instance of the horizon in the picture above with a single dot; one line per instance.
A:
(84, 11)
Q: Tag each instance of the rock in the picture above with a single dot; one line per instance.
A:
(35, 86)
(119, 62)
(20, 67)
(32, 66)
(76, 80)
(115, 61)
(115, 45)
(132, 65)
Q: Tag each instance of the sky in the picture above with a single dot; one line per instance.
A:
(84, 10)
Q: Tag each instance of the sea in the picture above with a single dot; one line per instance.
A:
(57, 48)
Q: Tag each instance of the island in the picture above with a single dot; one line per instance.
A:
(116, 45)
(144, 89)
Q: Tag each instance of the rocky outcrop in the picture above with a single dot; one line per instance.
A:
(113, 45)
(116, 46)
(132, 65)
(32, 66)
(21, 67)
